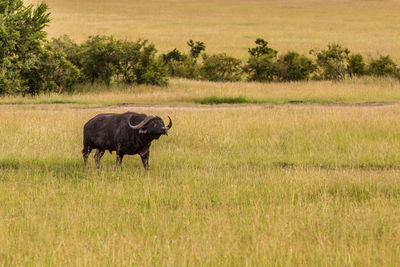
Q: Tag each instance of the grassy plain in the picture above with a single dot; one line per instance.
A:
(265, 184)
(284, 185)
(366, 26)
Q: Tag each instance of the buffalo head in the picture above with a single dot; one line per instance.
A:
(152, 125)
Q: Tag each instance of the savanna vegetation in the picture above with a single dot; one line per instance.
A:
(30, 64)
(300, 171)
(256, 185)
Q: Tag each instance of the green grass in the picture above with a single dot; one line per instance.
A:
(285, 185)
(214, 100)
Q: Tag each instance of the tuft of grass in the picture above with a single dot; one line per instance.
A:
(214, 100)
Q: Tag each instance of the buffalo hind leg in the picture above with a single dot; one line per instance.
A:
(99, 154)
(145, 159)
(85, 153)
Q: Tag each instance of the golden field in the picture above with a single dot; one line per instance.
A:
(231, 26)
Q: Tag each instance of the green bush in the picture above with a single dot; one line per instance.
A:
(188, 69)
(262, 65)
(137, 63)
(104, 59)
(53, 72)
(70, 48)
(356, 65)
(99, 59)
(383, 66)
(221, 67)
(332, 62)
(261, 69)
(183, 65)
(295, 67)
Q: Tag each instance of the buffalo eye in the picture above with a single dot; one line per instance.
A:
(143, 130)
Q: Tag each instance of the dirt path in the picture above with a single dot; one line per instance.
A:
(58, 107)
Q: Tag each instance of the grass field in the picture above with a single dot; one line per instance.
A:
(231, 26)
(297, 174)
(297, 185)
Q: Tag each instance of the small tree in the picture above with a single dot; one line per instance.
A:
(183, 65)
(138, 65)
(262, 49)
(356, 65)
(383, 66)
(262, 65)
(221, 67)
(22, 41)
(332, 62)
(52, 72)
(70, 48)
(98, 58)
(295, 67)
(195, 48)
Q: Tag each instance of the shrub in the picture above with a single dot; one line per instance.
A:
(183, 65)
(137, 63)
(178, 64)
(383, 66)
(356, 65)
(261, 69)
(70, 48)
(295, 67)
(54, 72)
(262, 65)
(99, 59)
(332, 62)
(188, 69)
(221, 67)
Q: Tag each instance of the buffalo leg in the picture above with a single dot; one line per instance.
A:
(85, 153)
(99, 154)
(145, 159)
(119, 158)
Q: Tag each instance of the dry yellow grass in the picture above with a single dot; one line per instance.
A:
(231, 26)
(276, 185)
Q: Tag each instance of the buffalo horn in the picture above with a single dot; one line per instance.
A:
(169, 125)
(142, 123)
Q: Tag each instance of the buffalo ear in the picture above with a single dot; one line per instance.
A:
(142, 131)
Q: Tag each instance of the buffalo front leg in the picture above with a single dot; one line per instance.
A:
(99, 154)
(119, 158)
(145, 159)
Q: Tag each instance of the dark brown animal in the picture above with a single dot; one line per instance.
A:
(129, 133)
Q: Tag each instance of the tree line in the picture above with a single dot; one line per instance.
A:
(31, 64)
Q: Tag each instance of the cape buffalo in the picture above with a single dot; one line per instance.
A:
(129, 133)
